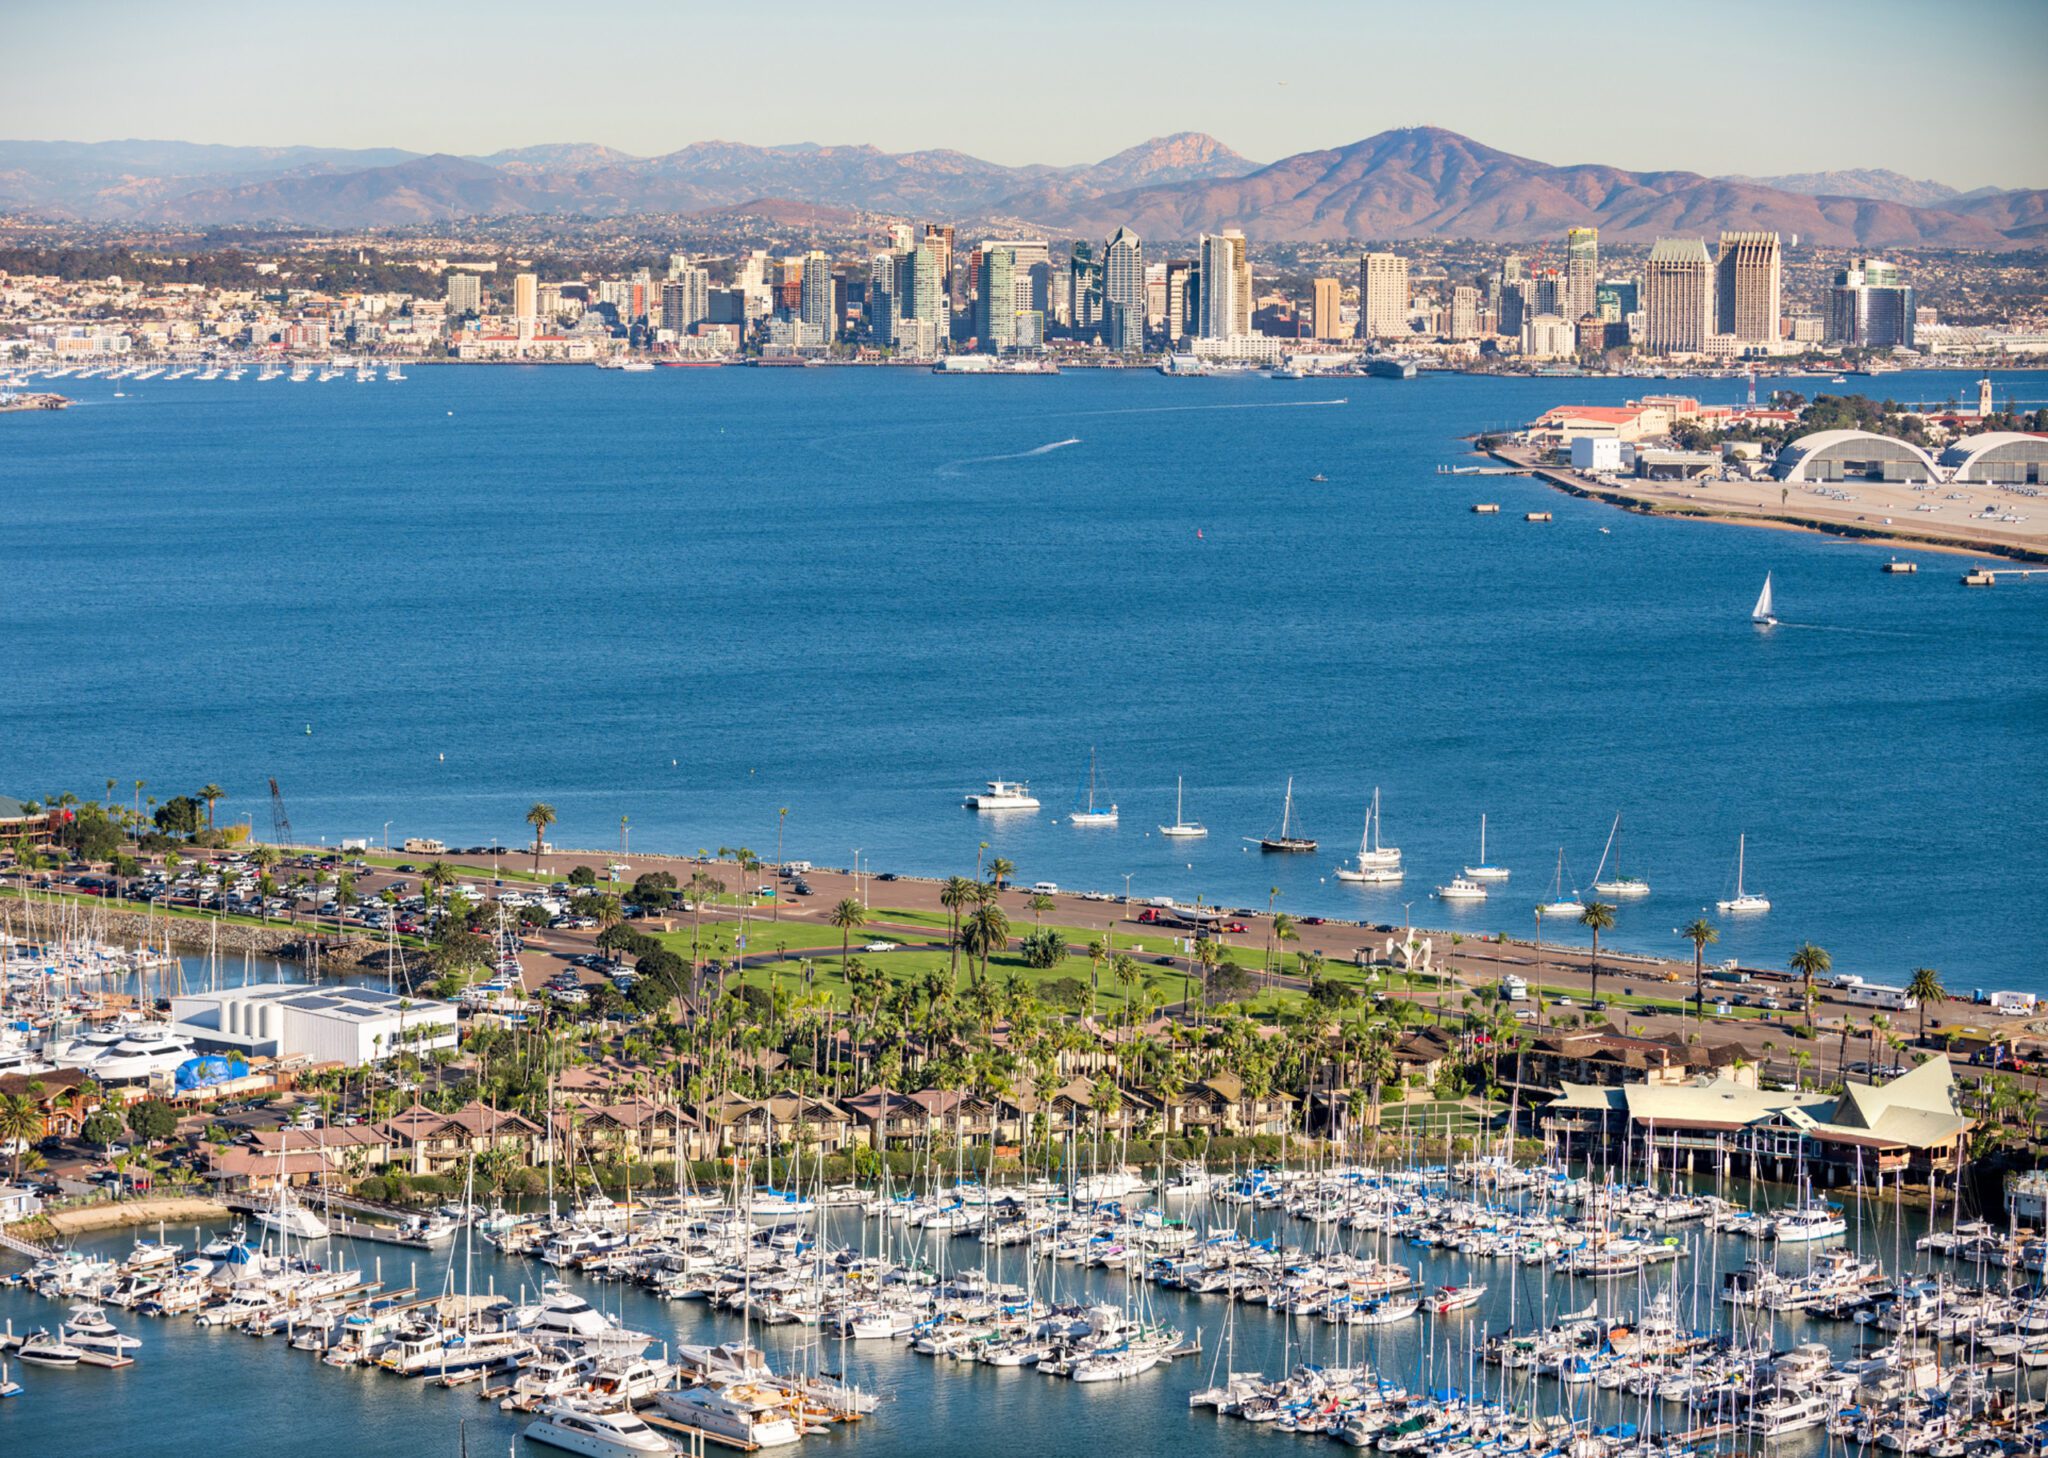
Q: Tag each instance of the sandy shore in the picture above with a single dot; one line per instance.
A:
(1944, 517)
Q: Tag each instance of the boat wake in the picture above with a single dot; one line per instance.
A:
(952, 468)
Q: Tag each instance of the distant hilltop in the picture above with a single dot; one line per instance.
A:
(1409, 183)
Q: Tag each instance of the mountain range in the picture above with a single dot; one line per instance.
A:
(1409, 183)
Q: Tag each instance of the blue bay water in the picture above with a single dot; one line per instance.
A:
(695, 597)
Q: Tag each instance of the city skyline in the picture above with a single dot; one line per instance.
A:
(1764, 116)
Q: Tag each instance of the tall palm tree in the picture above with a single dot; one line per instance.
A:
(1281, 929)
(956, 896)
(1701, 934)
(986, 931)
(1596, 918)
(1811, 962)
(849, 915)
(1040, 904)
(1000, 870)
(1925, 988)
(540, 817)
(211, 795)
(1096, 952)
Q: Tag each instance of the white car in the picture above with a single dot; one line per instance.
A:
(883, 947)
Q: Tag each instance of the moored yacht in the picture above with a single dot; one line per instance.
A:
(1561, 902)
(748, 1413)
(144, 1053)
(1483, 871)
(1743, 900)
(599, 1434)
(1181, 827)
(1376, 866)
(1003, 795)
(1460, 889)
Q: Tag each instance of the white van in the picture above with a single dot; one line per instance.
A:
(1045, 888)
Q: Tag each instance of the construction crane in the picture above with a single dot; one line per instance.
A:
(280, 823)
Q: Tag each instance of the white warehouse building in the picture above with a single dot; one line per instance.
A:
(351, 1025)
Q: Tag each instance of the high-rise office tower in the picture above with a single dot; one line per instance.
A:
(1581, 271)
(1746, 287)
(1123, 292)
(465, 293)
(1241, 260)
(1085, 301)
(882, 294)
(1464, 319)
(1382, 296)
(686, 299)
(1871, 306)
(1327, 315)
(1678, 297)
(525, 297)
(1218, 313)
(814, 295)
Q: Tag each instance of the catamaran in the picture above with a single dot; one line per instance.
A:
(1181, 826)
(1284, 840)
(1088, 814)
(1559, 903)
(1620, 885)
(1003, 795)
(1743, 900)
(1483, 871)
(1761, 614)
(1371, 869)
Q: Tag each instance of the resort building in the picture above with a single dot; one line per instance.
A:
(1678, 297)
(1908, 1126)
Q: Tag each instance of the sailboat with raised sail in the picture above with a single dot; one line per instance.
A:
(1285, 840)
(1743, 900)
(1561, 903)
(1621, 884)
(1763, 614)
(1181, 828)
(1483, 871)
(1089, 813)
(1372, 868)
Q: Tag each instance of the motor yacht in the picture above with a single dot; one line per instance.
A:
(142, 1055)
(566, 1319)
(599, 1434)
(1460, 889)
(1812, 1221)
(48, 1349)
(749, 1413)
(90, 1331)
(1003, 795)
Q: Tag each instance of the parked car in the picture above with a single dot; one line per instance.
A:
(883, 947)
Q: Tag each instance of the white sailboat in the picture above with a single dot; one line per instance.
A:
(1620, 885)
(1561, 904)
(1483, 871)
(1743, 900)
(1088, 814)
(1368, 871)
(1761, 614)
(1181, 826)
(1377, 856)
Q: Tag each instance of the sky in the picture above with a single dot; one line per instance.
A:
(1950, 91)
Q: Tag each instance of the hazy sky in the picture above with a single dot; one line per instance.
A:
(1949, 90)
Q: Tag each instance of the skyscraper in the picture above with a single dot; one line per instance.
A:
(465, 294)
(686, 299)
(1123, 292)
(1870, 306)
(1382, 296)
(1241, 261)
(883, 294)
(1085, 283)
(995, 321)
(1464, 312)
(1581, 271)
(1678, 297)
(1217, 255)
(1182, 298)
(814, 296)
(525, 297)
(1746, 287)
(1328, 320)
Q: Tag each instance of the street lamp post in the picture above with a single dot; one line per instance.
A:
(387, 837)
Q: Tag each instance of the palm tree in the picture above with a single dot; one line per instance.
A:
(1208, 955)
(1000, 870)
(1281, 930)
(1596, 918)
(1842, 1053)
(1811, 962)
(1925, 988)
(1040, 904)
(540, 817)
(439, 876)
(956, 896)
(1096, 952)
(1701, 934)
(20, 1122)
(849, 915)
(986, 931)
(211, 794)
